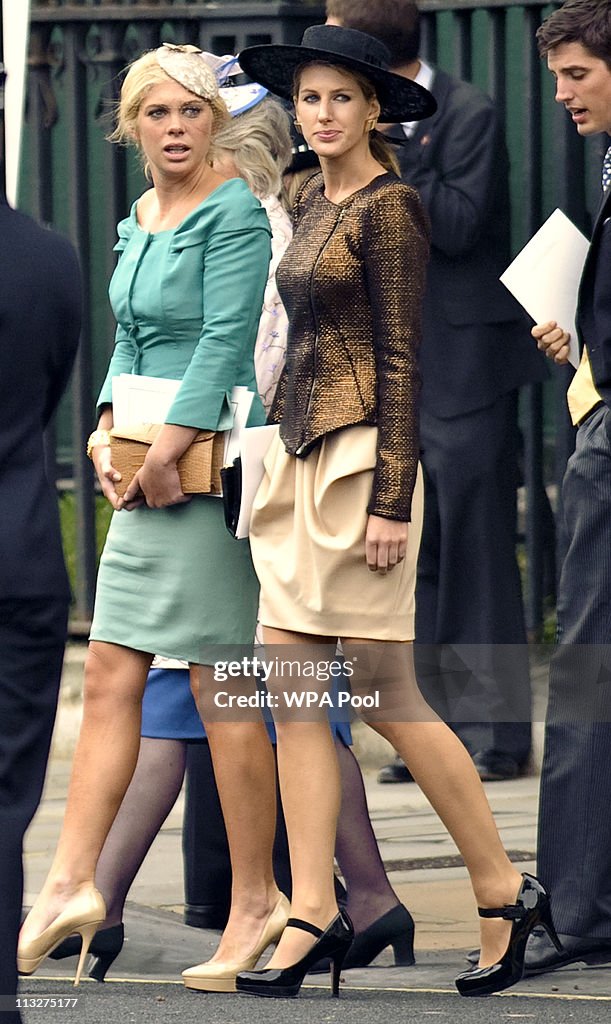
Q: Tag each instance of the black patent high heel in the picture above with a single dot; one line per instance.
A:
(530, 909)
(394, 928)
(285, 982)
(105, 947)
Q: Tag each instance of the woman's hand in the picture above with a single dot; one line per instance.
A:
(385, 543)
(157, 484)
(552, 340)
(107, 474)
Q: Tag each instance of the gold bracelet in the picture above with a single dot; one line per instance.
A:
(98, 437)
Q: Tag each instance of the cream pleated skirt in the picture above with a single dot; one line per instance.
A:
(307, 540)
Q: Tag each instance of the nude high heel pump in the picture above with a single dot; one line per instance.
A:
(83, 914)
(220, 975)
(106, 945)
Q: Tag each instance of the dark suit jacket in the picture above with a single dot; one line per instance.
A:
(40, 311)
(476, 341)
(594, 305)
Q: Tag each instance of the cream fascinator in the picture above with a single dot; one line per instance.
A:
(188, 66)
(209, 76)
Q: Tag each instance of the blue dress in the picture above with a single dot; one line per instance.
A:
(187, 303)
(169, 711)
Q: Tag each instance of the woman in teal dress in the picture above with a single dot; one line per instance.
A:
(187, 295)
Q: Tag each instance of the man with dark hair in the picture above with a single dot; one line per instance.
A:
(476, 352)
(574, 854)
(396, 24)
(40, 311)
(586, 22)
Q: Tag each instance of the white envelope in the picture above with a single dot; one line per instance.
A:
(545, 275)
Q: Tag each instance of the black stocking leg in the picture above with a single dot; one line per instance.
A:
(370, 894)
(150, 797)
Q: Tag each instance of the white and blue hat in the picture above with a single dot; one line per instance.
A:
(237, 98)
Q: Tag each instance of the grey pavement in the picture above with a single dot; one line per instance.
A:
(422, 863)
(119, 1003)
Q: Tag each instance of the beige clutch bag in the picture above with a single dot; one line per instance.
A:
(199, 468)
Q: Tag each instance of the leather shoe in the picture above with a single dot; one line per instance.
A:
(541, 955)
(396, 771)
(220, 975)
(492, 767)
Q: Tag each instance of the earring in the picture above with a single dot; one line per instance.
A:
(370, 124)
(298, 125)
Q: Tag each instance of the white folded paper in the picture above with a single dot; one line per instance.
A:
(255, 442)
(545, 275)
(241, 400)
(138, 399)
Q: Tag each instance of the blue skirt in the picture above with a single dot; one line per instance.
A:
(169, 711)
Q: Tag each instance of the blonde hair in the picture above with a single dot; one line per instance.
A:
(259, 141)
(291, 184)
(379, 148)
(142, 75)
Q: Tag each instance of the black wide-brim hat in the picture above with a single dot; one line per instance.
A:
(274, 64)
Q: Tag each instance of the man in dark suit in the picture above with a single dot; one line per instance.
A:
(40, 310)
(476, 352)
(574, 854)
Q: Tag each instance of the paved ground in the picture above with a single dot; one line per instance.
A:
(415, 848)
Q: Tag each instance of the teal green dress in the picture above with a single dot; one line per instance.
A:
(187, 303)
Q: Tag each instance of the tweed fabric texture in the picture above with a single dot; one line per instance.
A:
(352, 281)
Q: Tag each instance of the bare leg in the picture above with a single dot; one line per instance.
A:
(103, 765)
(370, 894)
(149, 799)
(443, 769)
(310, 790)
(245, 774)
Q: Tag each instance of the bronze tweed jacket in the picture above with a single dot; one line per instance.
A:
(352, 281)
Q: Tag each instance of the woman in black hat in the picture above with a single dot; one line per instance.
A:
(337, 520)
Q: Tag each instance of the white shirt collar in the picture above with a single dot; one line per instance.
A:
(424, 78)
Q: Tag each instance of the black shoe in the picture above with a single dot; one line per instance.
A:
(395, 928)
(493, 767)
(105, 947)
(285, 982)
(208, 915)
(396, 771)
(530, 909)
(541, 956)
